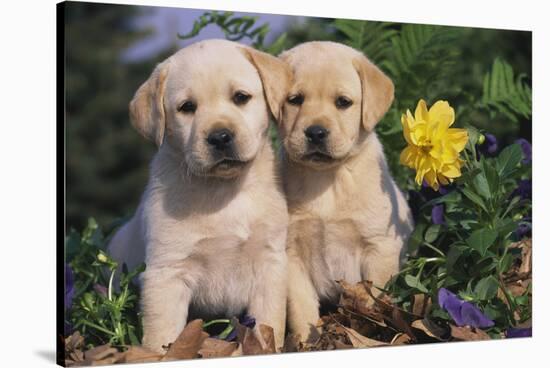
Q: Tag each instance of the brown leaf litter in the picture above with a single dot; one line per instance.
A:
(362, 320)
(193, 342)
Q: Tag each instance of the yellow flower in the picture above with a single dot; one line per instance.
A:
(433, 146)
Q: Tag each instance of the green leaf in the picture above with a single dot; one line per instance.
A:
(454, 253)
(416, 238)
(482, 185)
(449, 198)
(92, 233)
(432, 233)
(468, 176)
(414, 282)
(127, 277)
(492, 177)
(132, 335)
(473, 135)
(505, 262)
(474, 198)
(482, 239)
(506, 226)
(486, 288)
(508, 159)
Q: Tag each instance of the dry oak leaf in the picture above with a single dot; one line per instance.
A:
(422, 304)
(252, 345)
(73, 349)
(140, 354)
(430, 328)
(102, 355)
(213, 348)
(400, 339)
(360, 341)
(468, 333)
(292, 343)
(188, 343)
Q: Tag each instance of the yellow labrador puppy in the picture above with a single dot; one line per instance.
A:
(348, 219)
(212, 222)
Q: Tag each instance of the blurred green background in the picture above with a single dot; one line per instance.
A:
(111, 50)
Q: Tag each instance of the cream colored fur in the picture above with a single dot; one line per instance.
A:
(213, 238)
(348, 219)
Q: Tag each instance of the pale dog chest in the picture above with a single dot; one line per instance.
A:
(214, 252)
(335, 234)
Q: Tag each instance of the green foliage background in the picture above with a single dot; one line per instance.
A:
(107, 160)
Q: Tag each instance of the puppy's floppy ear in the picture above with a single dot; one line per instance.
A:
(377, 90)
(147, 107)
(276, 77)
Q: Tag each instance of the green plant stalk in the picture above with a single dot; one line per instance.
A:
(511, 303)
(215, 321)
(434, 248)
(97, 327)
(110, 291)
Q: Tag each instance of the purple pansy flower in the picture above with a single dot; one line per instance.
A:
(462, 312)
(247, 321)
(519, 332)
(100, 289)
(524, 189)
(490, 146)
(69, 286)
(417, 198)
(444, 189)
(526, 148)
(524, 228)
(438, 212)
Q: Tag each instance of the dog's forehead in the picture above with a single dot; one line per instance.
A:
(213, 62)
(323, 63)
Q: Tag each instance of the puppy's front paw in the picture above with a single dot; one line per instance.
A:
(154, 343)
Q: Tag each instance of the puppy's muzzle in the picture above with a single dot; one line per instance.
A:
(316, 135)
(224, 152)
(221, 140)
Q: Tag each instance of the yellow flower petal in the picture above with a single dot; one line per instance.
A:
(431, 179)
(443, 180)
(421, 112)
(458, 138)
(451, 171)
(406, 129)
(442, 113)
(408, 156)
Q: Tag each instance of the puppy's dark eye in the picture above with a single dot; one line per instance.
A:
(342, 102)
(240, 98)
(295, 99)
(188, 107)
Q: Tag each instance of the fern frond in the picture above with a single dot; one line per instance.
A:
(502, 93)
(418, 45)
(236, 28)
(372, 38)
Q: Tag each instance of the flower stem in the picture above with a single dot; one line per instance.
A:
(511, 303)
(432, 247)
(110, 291)
(97, 327)
(214, 321)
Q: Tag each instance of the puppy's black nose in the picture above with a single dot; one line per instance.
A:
(220, 139)
(316, 134)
